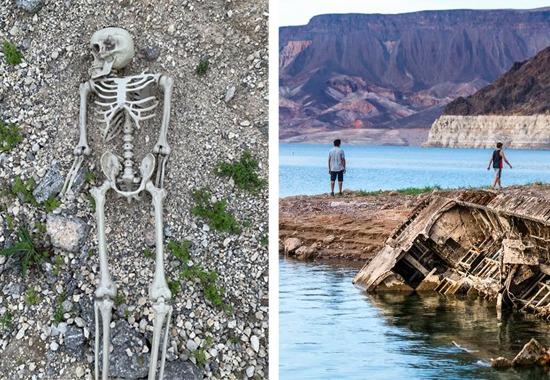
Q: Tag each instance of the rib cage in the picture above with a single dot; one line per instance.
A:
(122, 97)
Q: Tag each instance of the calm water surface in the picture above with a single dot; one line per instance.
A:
(331, 330)
(303, 167)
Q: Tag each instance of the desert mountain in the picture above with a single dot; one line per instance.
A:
(514, 109)
(523, 90)
(370, 72)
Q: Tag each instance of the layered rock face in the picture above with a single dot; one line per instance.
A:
(515, 109)
(484, 131)
(396, 71)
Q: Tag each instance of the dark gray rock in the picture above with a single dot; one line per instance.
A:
(122, 365)
(50, 185)
(87, 314)
(151, 53)
(13, 289)
(75, 341)
(31, 6)
(181, 370)
(79, 181)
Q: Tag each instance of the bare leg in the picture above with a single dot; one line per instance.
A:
(332, 187)
(159, 293)
(340, 183)
(106, 291)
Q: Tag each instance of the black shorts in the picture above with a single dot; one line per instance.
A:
(340, 175)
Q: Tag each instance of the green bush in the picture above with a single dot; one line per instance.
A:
(23, 190)
(51, 204)
(31, 297)
(208, 279)
(216, 213)
(202, 67)
(6, 321)
(10, 136)
(243, 172)
(25, 251)
(11, 54)
(180, 250)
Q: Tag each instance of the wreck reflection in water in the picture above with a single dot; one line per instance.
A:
(331, 330)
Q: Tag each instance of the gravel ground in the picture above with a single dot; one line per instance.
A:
(207, 125)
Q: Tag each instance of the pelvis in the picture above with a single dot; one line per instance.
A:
(111, 167)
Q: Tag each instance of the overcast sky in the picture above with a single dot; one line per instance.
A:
(298, 12)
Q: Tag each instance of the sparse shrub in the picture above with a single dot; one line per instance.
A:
(23, 190)
(174, 287)
(31, 297)
(58, 308)
(200, 357)
(57, 263)
(208, 279)
(91, 201)
(119, 299)
(264, 240)
(11, 54)
(202, 67)
(149, 254)
(10, 136)
(25, 251)
(89, 177)
(10, 223)
(405, 191)
(180, 250)
(6, 320)
(243, 172)
(215, 213)
(51, 204)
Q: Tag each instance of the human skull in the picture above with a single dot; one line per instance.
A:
(112, 48)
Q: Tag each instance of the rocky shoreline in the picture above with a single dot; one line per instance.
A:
(355, 226)
(352, 227)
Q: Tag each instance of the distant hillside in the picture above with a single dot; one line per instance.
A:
(523, 90)
(373, 71)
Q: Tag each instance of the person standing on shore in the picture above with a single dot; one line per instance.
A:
(497, 160)
(336, 166)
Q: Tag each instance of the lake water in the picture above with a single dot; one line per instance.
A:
(303, 168)
(331, 330)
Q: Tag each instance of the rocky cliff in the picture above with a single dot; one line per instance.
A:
(483, 131)
(369, 72)
(515, 109)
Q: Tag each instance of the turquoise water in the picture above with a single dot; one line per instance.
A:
(328, 329)
(303, 168)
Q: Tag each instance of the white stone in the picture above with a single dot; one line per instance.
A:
(255, 343)
(250, 371)
(191, 345)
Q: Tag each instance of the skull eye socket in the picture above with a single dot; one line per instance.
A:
(95, 47)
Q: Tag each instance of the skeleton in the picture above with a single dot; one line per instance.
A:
(124, 102)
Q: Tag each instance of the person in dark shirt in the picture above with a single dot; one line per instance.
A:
(497, 160)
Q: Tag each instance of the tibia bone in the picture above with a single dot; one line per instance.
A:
(161, 311)
(105, 307)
